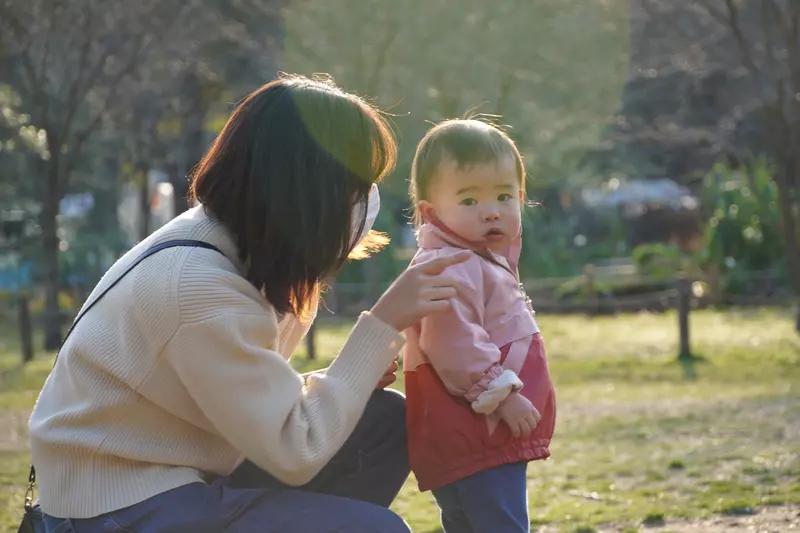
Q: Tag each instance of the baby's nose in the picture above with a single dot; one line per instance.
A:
(491, 215)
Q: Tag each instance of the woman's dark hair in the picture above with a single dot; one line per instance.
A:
(465, 141)
(283, 176)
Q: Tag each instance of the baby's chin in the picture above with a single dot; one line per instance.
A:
(498, 246)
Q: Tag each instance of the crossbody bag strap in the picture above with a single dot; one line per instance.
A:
(144, 255)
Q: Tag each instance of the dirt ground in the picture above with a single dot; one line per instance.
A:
(770, 519)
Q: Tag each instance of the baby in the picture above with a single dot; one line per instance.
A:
(480, 402)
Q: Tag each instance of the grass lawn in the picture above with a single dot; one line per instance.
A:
(640, 440)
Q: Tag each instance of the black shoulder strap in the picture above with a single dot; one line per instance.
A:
(144, 255)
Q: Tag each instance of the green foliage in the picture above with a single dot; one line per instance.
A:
(534, 63)
(676, 464)
(22, 148)
(552, 246)
(664, 262)
(654, 519)
(583, 288)
(89, 254)
(743, 231)
(658, 260)
(548, 249)
(738, 508)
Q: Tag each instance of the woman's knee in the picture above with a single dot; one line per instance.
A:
(379, 519)
(359, 517)
(388, 405)
(385, 418)
(293, 511)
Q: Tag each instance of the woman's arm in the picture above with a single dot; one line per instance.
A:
(387, 379)
(257, 402)
(224, 353)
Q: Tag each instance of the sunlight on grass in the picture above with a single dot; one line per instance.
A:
(641, 439)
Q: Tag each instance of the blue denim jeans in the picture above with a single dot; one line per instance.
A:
(491, 501)
(350, 495)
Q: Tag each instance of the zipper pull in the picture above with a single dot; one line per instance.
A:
(528, 301)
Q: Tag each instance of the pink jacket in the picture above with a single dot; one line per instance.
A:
(490, 311)
(451, 357)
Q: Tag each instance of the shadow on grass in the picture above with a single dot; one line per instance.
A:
(689, 363)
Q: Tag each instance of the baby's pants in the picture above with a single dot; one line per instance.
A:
(491, 501)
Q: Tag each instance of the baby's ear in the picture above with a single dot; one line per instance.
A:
(425, 209)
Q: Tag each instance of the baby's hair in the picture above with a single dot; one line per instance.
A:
(466, 141)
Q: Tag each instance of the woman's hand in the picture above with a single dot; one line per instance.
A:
(389, 377)
(420, 290)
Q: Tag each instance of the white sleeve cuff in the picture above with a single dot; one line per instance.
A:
(499, 389)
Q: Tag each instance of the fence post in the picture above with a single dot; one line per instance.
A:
(25, 330)
(590, 289)
(311, 345)
(684, 297)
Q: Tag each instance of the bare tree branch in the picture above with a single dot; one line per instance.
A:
(390, 35)
(655, 10)
(741, 40)
(767, 16)
(716, 14)
(16, 29)
(42, 70)
(778, 16)
(82, 135)
(793, 44)
(74, 90)
(730, 19)
(16, 39)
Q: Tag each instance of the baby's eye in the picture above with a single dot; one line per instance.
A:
(504, 197)
(468, 201)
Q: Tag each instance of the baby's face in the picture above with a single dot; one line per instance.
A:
(481, 203)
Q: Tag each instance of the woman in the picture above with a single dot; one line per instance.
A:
(179, 373)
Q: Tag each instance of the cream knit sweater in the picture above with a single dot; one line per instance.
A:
(181, 370)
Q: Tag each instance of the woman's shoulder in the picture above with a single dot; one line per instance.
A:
(209, 285)
(204, 282)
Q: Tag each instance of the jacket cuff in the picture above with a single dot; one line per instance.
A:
(498, 390)
(484, 382)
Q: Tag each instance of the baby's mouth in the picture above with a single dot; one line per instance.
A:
(494, 234)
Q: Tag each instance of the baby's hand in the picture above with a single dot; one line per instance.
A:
(389, 376)
(519, 413)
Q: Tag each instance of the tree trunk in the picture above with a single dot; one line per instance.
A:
(797, 315)
(52, 313)
(372, 274)
(783, 178)
(144, 203)
(194, 146)
(25, 333)
(194, 143)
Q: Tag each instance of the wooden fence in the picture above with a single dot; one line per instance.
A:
(601, 290)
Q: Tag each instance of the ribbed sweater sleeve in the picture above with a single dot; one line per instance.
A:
(225, 357)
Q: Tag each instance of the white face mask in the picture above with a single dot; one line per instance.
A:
(373, 205)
